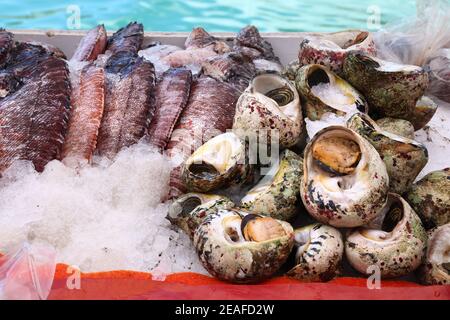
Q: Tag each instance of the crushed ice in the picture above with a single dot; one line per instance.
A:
(103, 217)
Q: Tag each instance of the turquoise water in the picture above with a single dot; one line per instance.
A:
(214, 15)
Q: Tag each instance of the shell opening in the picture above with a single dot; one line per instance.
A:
(282, 96)
(317, 77)
(336, 155)
(216, 156)
(333, 91)
(392, 217)
(302, 238)
(203, 170)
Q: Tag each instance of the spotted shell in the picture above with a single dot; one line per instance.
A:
(277, 193)
(270, 103)
(189, 210)
(436, 269)
(396, 247)
(319, 253)
(331, 49)
(430, 198)
(400, 127)
(220, 162)
(227, 255)
(316, 105)
(392, 90)
(404, 158)
(348, 200)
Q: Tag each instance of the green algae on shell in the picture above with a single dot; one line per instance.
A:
(231, 252)
(319, 253)
(277, 192)
(337, 95)
(430, 198)
(396, 248)
(189, 210)
(344, 200)
(400, 127)
(404, 158)
(392, 90)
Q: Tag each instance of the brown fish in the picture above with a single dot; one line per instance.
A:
(33, 119)
(85, 117)
(171, 97)
(232, 67)
(129, 102)
(87, 99)
(209, 112)
(91, 45)
(200, 45)
(250, 43)
(6, 44)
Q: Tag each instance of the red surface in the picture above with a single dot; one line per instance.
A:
(137, 285)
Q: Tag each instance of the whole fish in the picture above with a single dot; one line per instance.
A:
(33, 117)
(129, 102)
(171, 97)
(87, 99)
(85, 117)
(209, 112)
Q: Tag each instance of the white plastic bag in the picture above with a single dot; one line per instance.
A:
(27, 273)
(420, 42)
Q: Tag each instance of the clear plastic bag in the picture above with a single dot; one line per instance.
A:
(27, 273)
(420, 42)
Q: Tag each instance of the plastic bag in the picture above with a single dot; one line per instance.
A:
(27, 274)
(420, 42)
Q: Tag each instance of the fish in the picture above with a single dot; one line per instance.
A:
(129, 102)
(209, 112)
(128, 38)
(200, 45)
(91, 45)
(85, 117)
(155, 53)
(249, 43)
(33, 118)
(87, 99)
(232, 67)
(6, 45)
(171, 97)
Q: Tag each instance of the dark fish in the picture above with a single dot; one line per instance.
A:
(172, 94)
(85, 117)
(128, 38)
(91, 45)
(6, 44)
(232, 67)
(52, 50)
(33, 119)
(209, 112)
(129, 102)
(250, 43)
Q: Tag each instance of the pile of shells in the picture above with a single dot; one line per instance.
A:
(356, 181)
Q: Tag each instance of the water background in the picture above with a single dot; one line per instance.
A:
(214, 15)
